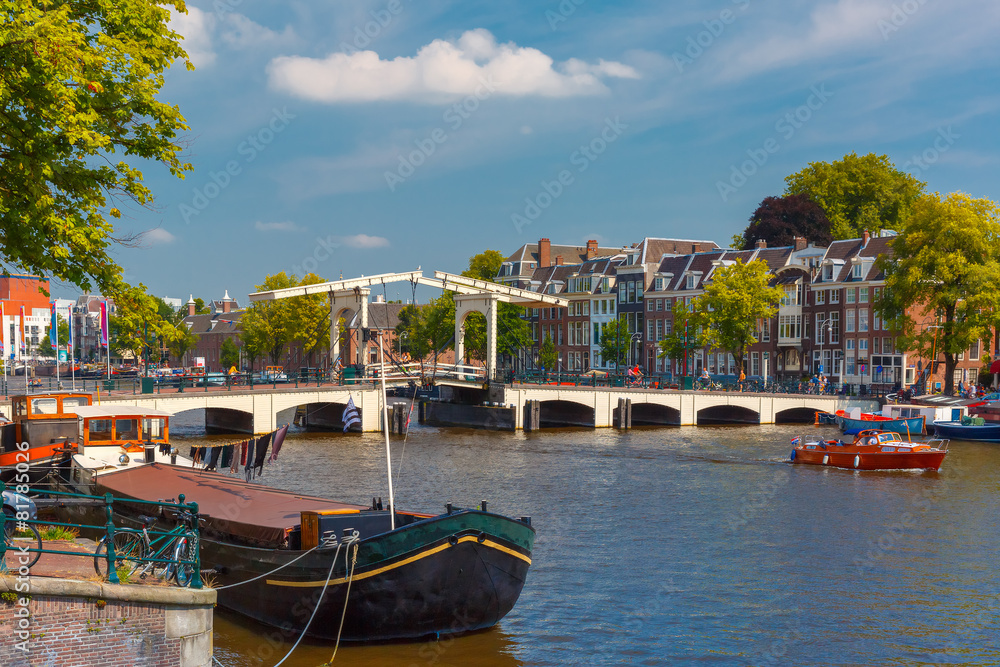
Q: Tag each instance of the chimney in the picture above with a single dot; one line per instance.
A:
(591, 249)
(227, 303)
(544, 253)
(761, 243)
(694, 248)
(559, 260)
(865, 237)
(799, 242)
(191, 306)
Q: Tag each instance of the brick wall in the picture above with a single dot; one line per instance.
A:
(91, 628)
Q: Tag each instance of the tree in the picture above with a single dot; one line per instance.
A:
(778, 220)
(411, 335)
(736, 299)
(78, 89)
(310, 315)
(268, 325)
(945, 265)
(513, 332)
(547, 356)
(858, 193)
(615, 341)
(229, 354)
(137, 323)
(185, 341)
(200, 308)
(45, 348)
(687, 335)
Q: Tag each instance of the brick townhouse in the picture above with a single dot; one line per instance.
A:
(825, 322)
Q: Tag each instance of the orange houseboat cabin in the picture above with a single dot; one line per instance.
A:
(47, 422)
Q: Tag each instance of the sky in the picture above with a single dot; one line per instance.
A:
(362, 137)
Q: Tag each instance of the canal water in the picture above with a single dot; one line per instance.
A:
(682, 546)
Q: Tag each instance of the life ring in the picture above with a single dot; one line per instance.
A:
(826, 457)
(857, 460)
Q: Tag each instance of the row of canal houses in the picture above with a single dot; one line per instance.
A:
(825, 324)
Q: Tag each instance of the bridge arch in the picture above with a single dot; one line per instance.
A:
(726, 414)
(654, 414)
(796, 415)
(556, 412)
(323, 416)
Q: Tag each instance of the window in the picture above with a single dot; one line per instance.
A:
(876, 346)
(790, 296)
(127, 429)
(835, 296)
(849, 321)
(638, 292)
(862, 320)
(689, 281)
(659, 330)
(43, 406)
(820, 296)
(849, 294)
(765, 333)
(659, 304)
(863, 347)
(820, 329)
(71, 402)
(650, 305)
(545, 313)
(856, 271)
(100, 429)
(887, 346)
(658, 284)
(652, 329)
(622, 292)
(834, 328)
(828, 272)
(631, 292)
(876, 321)
(862, 295)
(973, 351)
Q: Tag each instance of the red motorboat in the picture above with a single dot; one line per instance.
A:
(872, 450)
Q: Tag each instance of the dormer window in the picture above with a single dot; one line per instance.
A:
(690, 281)
(658, 284)
(856, 272)
(828, 273)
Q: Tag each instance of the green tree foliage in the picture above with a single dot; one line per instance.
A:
(45, 348)
(311, 319)
(547, 356)
(945, 267)
(858, 193)
(199, 307)
(184, 342)
(411, 335)
(137, 324)
(229, 354)
(687, 335)
(737, 297)
(614, 342)
(78, 89)
(513, 332)
(268, 325)
(778, 220)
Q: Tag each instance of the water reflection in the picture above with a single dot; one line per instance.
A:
(685, 545)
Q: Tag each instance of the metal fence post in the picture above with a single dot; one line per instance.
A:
(110, 535)
(3, 532)
(196, 581)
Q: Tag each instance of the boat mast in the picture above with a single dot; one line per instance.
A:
(385, 430)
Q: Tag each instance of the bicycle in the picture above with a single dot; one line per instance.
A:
(171, 555)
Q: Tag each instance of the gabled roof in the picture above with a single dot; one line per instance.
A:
(652, 250)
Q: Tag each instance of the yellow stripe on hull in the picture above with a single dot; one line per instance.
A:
(405, 561)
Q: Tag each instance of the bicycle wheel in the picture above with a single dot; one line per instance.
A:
(18, 540)
(185, 549)
(130, 549)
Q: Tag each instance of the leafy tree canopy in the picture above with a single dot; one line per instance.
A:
(946, 260)
(778, 220)
(513, 332)
(687, 335)
(269, 325)
(78, 110)
(737, 297)
(615, 341)
(858, 193)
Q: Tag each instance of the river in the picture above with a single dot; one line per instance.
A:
(697, 545)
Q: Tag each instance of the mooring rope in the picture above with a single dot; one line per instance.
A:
(350, 540)
(347, 596)
(281, 567)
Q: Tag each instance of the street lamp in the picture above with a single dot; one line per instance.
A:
(631, 346)
(826, 325)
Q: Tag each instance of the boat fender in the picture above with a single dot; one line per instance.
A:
(481, 537)
(123, 459)
(857, 460)
(792, 457)
(826, 458)
(453, 540)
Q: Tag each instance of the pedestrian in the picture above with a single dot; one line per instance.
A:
(743, 377)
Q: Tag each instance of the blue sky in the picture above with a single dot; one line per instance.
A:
(363, 137)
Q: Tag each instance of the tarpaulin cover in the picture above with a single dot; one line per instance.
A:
(252, 513)
(995, 366)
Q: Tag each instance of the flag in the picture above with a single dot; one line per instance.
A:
(3, 328)
(796, 441)
(22, 329)
(69, 313)
(350, 416)
(104, 323)
(53, 331)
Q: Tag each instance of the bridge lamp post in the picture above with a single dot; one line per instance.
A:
(825, 325)
(633, 339)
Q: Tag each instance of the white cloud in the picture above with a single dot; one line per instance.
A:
(285, 226)
(239, 32)
(196, 27)
(158, 236)
(365, 242)
(442, 71)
